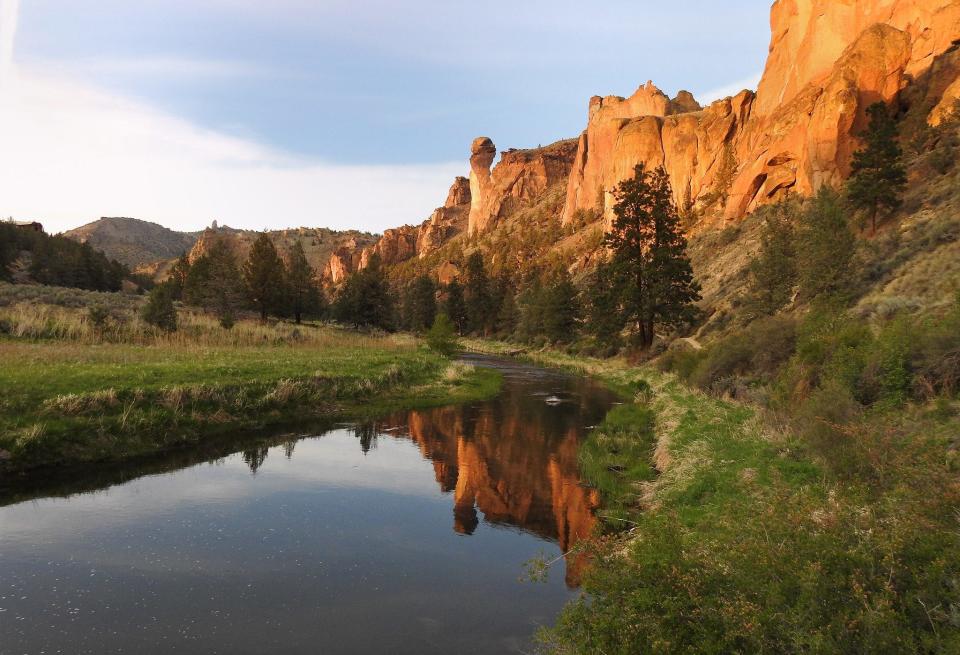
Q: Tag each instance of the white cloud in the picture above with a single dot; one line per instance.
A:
(732, 89)
(72, 153)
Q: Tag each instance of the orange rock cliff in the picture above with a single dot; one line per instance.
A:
(829, 60)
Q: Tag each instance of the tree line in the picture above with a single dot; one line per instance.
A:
(59, 261)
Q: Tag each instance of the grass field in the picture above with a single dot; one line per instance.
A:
(75, 389)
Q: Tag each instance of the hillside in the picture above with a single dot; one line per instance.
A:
(133, 242)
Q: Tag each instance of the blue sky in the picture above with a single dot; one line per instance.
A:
(356, 91)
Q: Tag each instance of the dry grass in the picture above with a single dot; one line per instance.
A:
(31, 321)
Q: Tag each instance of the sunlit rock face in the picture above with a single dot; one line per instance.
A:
(809, 36)
(829, 60)
(519, 179)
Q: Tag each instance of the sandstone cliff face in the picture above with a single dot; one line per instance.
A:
(829, 60)
(518, 179)
(809, 36)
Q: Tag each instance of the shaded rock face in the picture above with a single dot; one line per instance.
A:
(829, 60)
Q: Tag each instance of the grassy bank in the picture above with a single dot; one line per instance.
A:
(83, 388)
(727, 532)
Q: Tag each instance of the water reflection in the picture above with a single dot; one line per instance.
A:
(514, 459)
(283, 543)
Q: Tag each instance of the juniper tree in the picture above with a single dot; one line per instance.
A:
(878, 176)
(263, 275)
(649, 256)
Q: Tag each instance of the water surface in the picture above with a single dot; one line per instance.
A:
(404, 535)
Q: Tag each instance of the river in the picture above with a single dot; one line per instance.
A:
(407, 534)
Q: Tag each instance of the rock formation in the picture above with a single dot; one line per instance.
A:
(518, 180)
(482, 152)
(828, 62)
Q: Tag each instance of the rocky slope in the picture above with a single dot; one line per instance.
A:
(828, 62)
(331, 253)
(134, 242)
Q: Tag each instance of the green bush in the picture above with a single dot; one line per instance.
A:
(442, 338)
(159, 310)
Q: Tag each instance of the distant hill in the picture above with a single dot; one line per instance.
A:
(133, 242)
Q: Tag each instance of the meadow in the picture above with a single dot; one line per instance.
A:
(85, 379)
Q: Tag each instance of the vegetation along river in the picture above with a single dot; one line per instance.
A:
(405, 535)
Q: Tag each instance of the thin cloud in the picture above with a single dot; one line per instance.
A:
(73, 153)
(166, 66)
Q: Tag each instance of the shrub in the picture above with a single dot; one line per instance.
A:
(159, 310)
(442, 338)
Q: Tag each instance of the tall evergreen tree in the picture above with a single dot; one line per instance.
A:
(604, 319)
(214, 284)
(421, 304)
(305, 295)
(477, 296)
(649, 256)
(560, 309)
(365, 299)
(878, 175)
(774, 271)
(826, 248)
(263, 275)
(454, 306)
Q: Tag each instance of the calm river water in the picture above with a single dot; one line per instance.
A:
(405, 535)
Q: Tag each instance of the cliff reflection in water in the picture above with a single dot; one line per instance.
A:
(512, 460)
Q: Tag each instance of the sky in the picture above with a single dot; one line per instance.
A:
(323, 113)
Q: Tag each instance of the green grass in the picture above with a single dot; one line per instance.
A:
(73, 401)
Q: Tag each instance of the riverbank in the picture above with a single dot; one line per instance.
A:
(727, 532)
(89, 399)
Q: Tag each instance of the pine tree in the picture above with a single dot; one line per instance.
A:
(605, 320)
(826, 248)
(159, 310)
(476, 295)
(774, 272)
(365, 299)
(263, 275)
(878, 176)
(421, 304)
(304, 294)
(506, 321)
(454, 306)
(213, 283)
(560, 309)
(649, 256)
